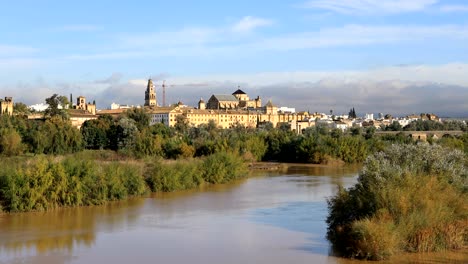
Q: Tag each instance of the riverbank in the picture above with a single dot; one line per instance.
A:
(43, 183)
(407, 199)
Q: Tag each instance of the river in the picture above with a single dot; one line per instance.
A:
(271, 217)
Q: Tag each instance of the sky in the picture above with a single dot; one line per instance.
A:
(378, 56)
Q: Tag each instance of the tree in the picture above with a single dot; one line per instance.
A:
(10, 142)
(21, 109)
(139, 115)
(55, 136)
(352, 113)
(126, 133)
(394, 126)
(370, 131)
(94, 133)
(356, 131)
(182, 124)
(57, 105)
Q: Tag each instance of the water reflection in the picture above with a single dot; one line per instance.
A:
(305, 217)
(63, 229)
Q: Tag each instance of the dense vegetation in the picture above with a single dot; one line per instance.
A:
(409, 198)
(113, 158)
(130, 134)
(428, 125)
(91, 178)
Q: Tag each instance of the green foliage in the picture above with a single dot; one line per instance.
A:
(10, 142)
(223, 167)
(21, 109)
(189, 174)
(43, 183)
(95, 135)
(182, 175)
(58, 136)
(126, 133)
(352, 113)
(394, 126)
(318, 148)
(408, 198)
(147, 144)
(139, 115)
(431, 125)
(175, 148)
(57, 106)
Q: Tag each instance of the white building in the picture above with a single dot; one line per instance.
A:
(340, 125)
(115, 106)
(369, 117)
(285, 109)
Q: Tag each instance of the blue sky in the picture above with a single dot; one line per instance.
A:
(391, 56)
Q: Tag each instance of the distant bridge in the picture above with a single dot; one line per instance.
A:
(422, 135)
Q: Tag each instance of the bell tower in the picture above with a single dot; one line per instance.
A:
(150, 94)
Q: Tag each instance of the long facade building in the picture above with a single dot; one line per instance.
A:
(225, 111)
(222, 118)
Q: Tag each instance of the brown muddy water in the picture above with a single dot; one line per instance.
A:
(269, 218)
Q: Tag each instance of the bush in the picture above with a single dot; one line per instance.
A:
(189, 174)
(223, 167)
(44, 183)
(409, 198)
(180, 175)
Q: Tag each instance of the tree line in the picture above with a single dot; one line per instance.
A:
(131, 134)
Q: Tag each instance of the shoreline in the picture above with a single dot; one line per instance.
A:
(274, 165)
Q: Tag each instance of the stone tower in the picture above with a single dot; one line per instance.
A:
(150, 94)
(201, 104)
(82, 105)
(6, 106)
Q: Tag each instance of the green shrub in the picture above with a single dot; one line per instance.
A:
(42, 183)
(223, 167)
(180, 175)
(408, 198)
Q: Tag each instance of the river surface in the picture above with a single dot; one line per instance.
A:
(272, 217)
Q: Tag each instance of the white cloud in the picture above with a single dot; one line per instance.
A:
(452, 74)
(397, 90)
(217, 43)
(249, 23)
(441, 89)
(359, 35)
(370, 7)
(454, 8)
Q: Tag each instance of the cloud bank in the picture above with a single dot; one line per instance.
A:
(398, 90)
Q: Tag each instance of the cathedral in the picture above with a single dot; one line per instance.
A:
(225, 110)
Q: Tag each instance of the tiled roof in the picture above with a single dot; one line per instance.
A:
(239, 91)
(111, 111)
(226, 97)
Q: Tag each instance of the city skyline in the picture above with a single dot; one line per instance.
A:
(394, 57)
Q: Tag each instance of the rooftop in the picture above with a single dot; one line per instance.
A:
(239, 91)
(226, 97)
